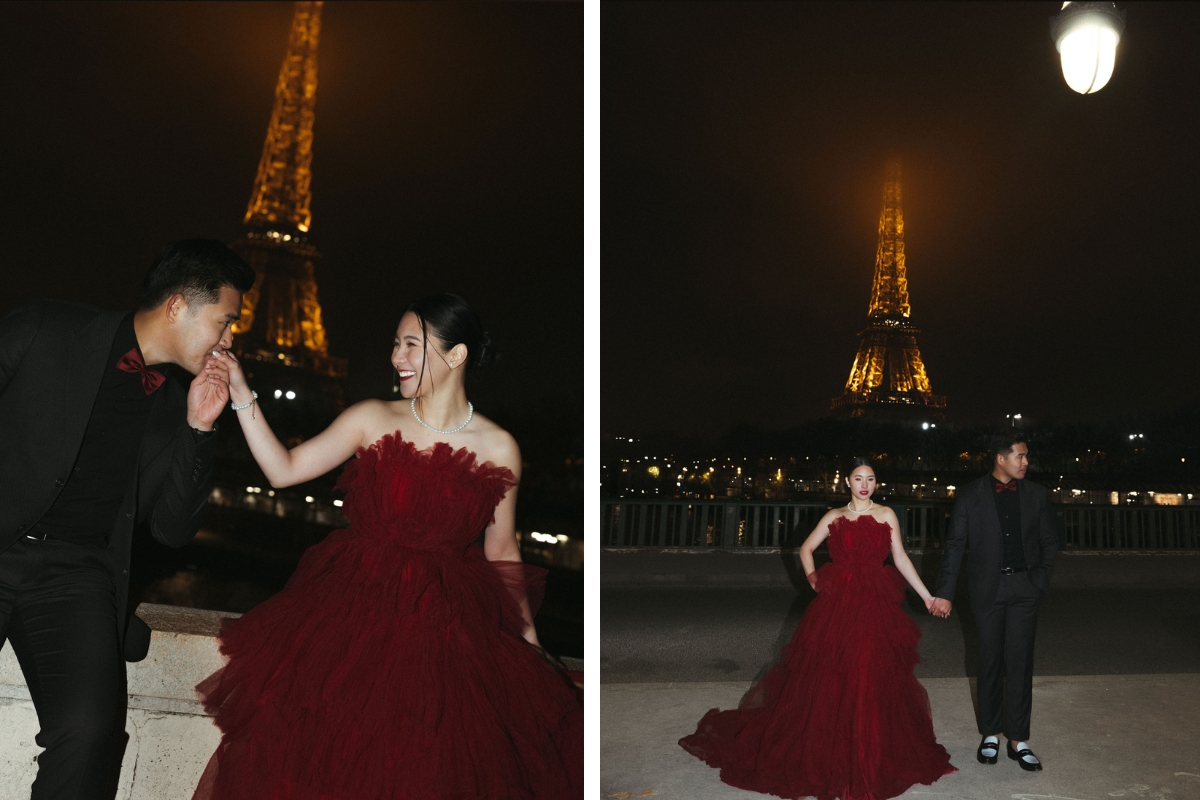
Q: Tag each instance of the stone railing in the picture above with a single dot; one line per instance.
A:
(170, 736)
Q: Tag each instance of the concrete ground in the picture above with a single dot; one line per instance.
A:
(1116, 710)
(732, 634)
(1099, 736)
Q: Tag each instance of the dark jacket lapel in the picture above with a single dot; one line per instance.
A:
(988, 501)
(86, 362)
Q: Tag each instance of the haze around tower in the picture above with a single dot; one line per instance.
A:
(446, 158)
(1050, 259)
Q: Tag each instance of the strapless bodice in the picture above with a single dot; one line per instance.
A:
(859, 540)
(439, 498)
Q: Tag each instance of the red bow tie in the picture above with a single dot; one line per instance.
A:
(132, 362)
(1011, 486)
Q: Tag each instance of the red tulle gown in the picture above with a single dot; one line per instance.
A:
(841, 714)
(392, 664)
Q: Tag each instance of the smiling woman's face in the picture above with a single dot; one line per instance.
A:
(409, 355)
(861, 482)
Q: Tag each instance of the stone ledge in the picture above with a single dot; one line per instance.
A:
(176, 619)
(171, 737)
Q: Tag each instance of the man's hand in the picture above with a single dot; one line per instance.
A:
(208, 395)
(940, 607)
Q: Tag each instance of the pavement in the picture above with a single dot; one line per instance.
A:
(1116, 709)
(1099, 736)
(686, 635)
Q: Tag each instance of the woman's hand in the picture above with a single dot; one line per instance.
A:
(239, 389)
(812, 581)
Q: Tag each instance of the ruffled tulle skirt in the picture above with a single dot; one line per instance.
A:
(841, 714)
(383, 671)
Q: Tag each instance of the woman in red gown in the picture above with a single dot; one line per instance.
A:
(841, 714)
(400, 661)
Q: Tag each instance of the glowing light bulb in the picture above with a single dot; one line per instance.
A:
(1086, 36)
(1089, 54)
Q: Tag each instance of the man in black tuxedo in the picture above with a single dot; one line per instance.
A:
(1004, 522)
(99, 434)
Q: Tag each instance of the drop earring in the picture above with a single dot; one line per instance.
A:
(395, 380)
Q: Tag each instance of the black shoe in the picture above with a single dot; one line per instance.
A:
(984, 743)
(1018, 756)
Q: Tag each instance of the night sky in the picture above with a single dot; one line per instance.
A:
(1052, 238)
(448, 144)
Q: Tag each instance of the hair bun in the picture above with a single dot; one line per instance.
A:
(449, 318)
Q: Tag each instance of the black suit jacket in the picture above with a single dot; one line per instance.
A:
(975, 527)
(52, 359)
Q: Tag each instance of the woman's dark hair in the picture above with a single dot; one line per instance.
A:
(1004, 441)
(452, 320)
(857, 462)
(196, 268)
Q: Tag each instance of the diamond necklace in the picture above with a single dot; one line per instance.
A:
(413, 405)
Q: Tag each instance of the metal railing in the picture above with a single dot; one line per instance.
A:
(1130, 527)
(738, 524)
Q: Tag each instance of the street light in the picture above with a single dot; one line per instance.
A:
(1086, 36)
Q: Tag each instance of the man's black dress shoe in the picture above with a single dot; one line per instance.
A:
(984, 744)
(1017, 756)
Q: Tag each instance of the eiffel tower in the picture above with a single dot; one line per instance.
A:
(281, 339)
(888, 379)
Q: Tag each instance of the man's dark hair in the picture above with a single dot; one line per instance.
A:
(197, 269)
(1004, 441)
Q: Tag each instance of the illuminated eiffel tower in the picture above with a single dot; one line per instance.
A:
(888, 378)
(280, 338)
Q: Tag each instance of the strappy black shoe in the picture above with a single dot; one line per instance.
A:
(1019, 757)
(984, 744)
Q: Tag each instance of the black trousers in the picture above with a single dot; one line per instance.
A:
(58, 610)
(1006, 633)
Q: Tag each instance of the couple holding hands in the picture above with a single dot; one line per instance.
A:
(401, 658)
(841, 714)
